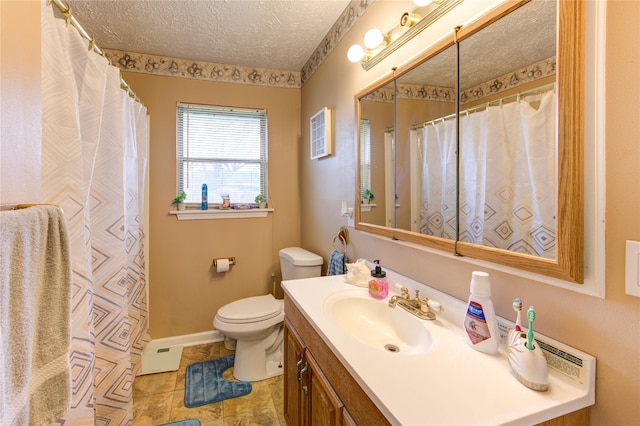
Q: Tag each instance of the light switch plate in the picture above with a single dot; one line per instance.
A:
(632, 262)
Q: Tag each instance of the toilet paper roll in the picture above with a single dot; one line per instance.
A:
(222, 265)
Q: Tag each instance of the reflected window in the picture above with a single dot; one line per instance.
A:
(365, 157)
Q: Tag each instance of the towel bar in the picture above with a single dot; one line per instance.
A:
(343, 237)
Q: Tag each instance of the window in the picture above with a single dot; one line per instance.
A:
(226, 148)
(365, 157)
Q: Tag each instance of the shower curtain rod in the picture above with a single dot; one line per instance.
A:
(515, 96)
(65, 9)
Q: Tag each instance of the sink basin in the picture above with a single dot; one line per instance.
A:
(375, 324)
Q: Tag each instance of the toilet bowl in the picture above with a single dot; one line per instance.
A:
(256, 323)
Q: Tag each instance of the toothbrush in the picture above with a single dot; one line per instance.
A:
(531, 316)
(517, 306)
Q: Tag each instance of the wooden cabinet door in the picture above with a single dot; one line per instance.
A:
(325, 408)
(295, 406)
(347, 420)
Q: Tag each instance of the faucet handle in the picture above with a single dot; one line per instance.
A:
(426, 305)
(403, 290)
(436, 306)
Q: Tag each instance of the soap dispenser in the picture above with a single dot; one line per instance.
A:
(378, 284)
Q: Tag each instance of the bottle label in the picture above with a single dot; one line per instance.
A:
(475, 323)
(374, 288)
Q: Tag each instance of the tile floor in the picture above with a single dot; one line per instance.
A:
(159, 398)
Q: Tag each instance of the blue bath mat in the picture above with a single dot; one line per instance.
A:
(190, 422)
(204, 383)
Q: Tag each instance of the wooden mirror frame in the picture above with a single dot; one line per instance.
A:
(569, 262)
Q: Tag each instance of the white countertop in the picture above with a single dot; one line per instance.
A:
(451, 385)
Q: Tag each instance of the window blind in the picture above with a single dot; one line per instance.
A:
(226, 148)
(365, 156)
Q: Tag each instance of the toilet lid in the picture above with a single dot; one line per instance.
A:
(250, 309)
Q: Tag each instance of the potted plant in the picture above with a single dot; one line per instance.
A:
(179, 200)
(368, 196)
(261, 201)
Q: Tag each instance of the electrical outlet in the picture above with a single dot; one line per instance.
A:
(350, 222)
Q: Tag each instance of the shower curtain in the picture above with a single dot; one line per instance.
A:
(437, 146)
(94, 158)
(507, 176)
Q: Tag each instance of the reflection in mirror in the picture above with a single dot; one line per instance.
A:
(377, 160)
(426, 161)
(548, 213)
(508, 132)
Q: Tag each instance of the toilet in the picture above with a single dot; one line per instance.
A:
(256, 323)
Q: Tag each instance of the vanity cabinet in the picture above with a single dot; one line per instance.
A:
(309, 399)
(294, 403)
(318, 389)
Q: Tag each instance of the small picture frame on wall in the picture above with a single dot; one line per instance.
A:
(320, 125)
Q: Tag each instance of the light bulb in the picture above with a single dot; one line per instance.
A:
(373, 38)
(422, 3)
(355, 53)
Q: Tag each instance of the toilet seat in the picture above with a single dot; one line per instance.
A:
(250, 309)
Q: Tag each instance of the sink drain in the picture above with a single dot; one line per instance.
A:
(392, 348)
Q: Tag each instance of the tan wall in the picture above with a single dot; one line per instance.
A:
(184, 291)
(21, 99)
(605, 328)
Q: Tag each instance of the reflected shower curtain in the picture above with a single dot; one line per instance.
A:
(438, 210)
(94, 155)
(507, 176)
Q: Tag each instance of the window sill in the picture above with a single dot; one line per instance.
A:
(366, 207)
(219, 214)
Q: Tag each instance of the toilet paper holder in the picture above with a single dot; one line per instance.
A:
(232, 261)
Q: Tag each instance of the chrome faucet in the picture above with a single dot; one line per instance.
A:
(421, 307)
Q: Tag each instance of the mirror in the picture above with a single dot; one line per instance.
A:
(426, 173)
(377, 162)
(507, 133)
(542, 231)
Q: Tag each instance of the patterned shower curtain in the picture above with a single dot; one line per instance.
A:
(437, 147)
(94, 158)
(507, 176)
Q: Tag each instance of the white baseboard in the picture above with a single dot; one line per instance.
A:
(187, 339)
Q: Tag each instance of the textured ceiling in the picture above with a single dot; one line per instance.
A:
(523, 37)
(274, 34)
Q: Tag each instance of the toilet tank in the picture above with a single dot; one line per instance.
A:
(296, 262)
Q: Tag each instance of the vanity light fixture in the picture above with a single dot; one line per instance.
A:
(374, 41)
(355, 53)
(378, 45)
(373, 38)
(409, 19)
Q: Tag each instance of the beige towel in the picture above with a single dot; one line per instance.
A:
(35, 274)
